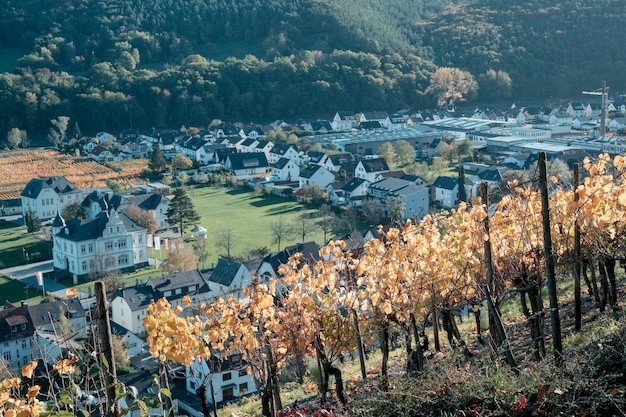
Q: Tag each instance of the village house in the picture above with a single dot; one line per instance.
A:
(285, 170)
(271, 263)
(414, 197)
(247, 165)
(316, 175)
(371, 169)
(108, 242)
(228, 278)
(45, 197)
(445, 191)
(16, 335)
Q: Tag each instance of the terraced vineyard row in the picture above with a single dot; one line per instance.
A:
(18, 168)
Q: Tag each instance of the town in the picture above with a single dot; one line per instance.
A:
(379, 168)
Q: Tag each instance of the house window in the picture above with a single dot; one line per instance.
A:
(24, 345)
(121, 243)
(109, 262)
(108, 245)
(178, 291)
(227, 376)
(192, 385)
(243, 388)
(83, 249)
(90, 246)
(191, 288)
(84, 266)
(23, 326)
(13, 329)
(7, 356)
(122, 260)
(243, 372)
(167, 294)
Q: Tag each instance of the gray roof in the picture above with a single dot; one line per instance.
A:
(493, 175)
(282, 148)
(247, 160)
(281, 163)
(178, 280)
(309, 250)
(60, 185)
(41, 313)
(225, 272)
(147, 201)
(137, 298)
(375, 165)
(354, 184)
(447, 183)
(311, 170)
(78, 230)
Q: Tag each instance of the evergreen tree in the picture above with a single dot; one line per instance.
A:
(157, 162)
(33, 223)
(462, 195)
(181, 212)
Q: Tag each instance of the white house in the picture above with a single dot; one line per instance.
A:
(334, 162)
(46, 197)
(227, 377)
(247, 165)
(286, 170)
(445, 191)
(129, 306)
(354, 191)
(342, 118)
(371, 169)
(271, 263)
(108, 242)
(316, 175)
(16, 335)
(228, 278)
(415, 197)
(47, 316)
(132, 342)
(375, 116)
(284, 150)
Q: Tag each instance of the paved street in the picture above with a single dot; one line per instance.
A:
(26, 275)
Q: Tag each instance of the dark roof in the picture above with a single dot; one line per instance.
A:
(434, 143)
(60, 185)
(195, 143)
(18, 319)
(447, 183)
(282, 148)
(224, 153)
(137, 297)
(375, 165)
(225, 272)
(178, 280)
(375, 115)
(40, 314)
(321, 125)
(492, 175)
(349, 167)
(281, 163)
(353, 184)
(315, 156)
(147, 201)
(341, 158)
(311, 170)
(309, 251)
(370, 124)
(246, 160)
(262, 144)
(346, 115)
(78, 230)
(248, 142)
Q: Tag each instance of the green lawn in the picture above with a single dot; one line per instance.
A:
(15, 292)
(248, 215)
(16, 246)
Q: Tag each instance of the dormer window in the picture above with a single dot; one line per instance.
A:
(13, 329)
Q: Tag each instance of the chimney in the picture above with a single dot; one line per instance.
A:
(24, 304)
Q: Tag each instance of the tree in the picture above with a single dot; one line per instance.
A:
(157, 162)
(280, 231)
(304, 225)
(73, 210)
(181, 212)
(449, 85)
(395, 208)
(14, 138)
(327, 220)
(495, 85)
(180, 257)
(181, 163)
(200, 249)
(57, 132)
(33, 223)
(405, 153)
(465, 150)
(462, 194)
(226, 240)
(373, 211)
(447, 151)
(386, 152)
(142, 217)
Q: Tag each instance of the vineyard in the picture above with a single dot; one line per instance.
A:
(18, 168)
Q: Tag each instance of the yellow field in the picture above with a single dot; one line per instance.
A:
(17, 168)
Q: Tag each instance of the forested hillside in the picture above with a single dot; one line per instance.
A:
(163, 63)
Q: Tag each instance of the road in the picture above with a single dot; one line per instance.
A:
(26, 275)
